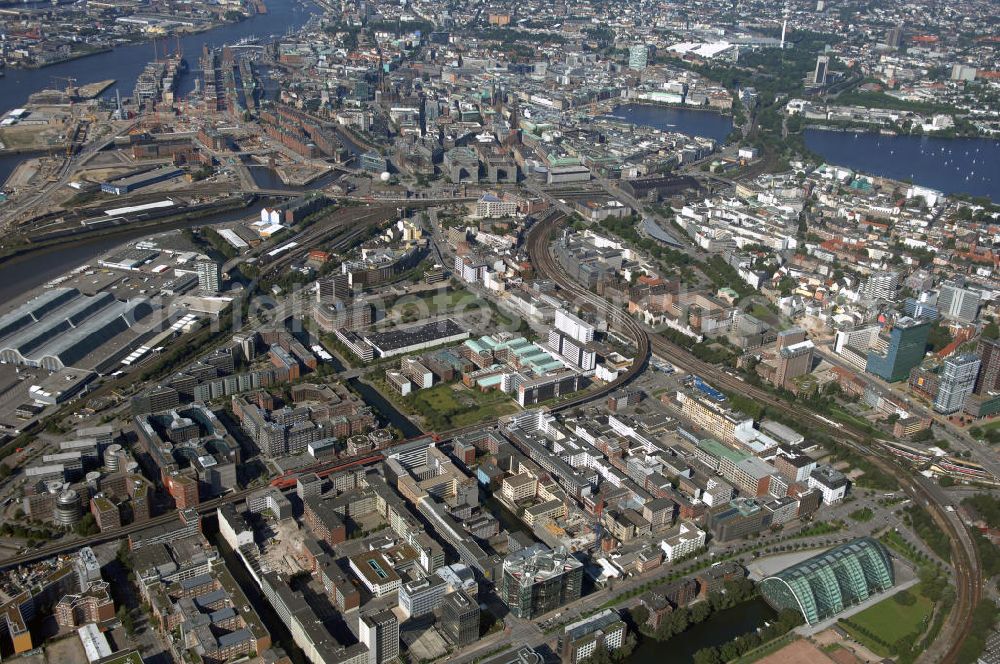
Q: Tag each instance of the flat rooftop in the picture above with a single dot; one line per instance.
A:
(415, 335)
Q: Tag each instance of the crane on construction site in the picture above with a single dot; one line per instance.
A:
(70, 84)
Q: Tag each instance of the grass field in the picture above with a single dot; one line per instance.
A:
(988, 426)
(890, 621)
(431, 303)
(847, 418)
(460, 302)
(450, 406)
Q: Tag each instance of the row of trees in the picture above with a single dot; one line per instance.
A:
(602, 655)
(678, 621)
(786, 621)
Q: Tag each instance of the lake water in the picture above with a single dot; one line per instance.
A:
(951, 165)
(682, 120)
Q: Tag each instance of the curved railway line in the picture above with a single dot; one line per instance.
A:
(965, 556)
(538, 249)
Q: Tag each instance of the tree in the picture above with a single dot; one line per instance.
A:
(639, 615)
(87, 526)
(599, 656)
(700, 611)
(125, 617)
(707, 656)
(938, 337)
(986, 506)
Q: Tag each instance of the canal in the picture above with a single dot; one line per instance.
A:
(266, 177)
(718, 629)
(506, 518)
(385, 409)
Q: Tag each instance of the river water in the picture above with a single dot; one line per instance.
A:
(951, 165)
(22, 273)
(126, 63)
(123, 64)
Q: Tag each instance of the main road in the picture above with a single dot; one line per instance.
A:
(965, 556)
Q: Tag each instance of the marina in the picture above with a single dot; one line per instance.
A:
(951, 165)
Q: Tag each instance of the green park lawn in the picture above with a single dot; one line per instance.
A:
(446, 406)
(891, 621)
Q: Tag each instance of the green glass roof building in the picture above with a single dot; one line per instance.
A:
(824, 585)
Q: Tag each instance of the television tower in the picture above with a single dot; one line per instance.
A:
(784, 26)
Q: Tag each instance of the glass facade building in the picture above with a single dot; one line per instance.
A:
(537, 580)
(824, 585)
(903, 350)
(958, 378)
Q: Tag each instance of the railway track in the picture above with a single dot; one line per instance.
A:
(538, 249)
(358, 219)
(965, 556)
(118, 533)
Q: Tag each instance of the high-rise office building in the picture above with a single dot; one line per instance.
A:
(460, 618)
(790, 337)
(989, 366)
(957, 303)
(914, 308)
(881, 286)
(537, 580)
(793, 361)
(581, 639)
(958, 378)
(335, 288)
(902, 349)
(894, 38)
(88, 570)
(638, 56)
(421, 596)
(380, 632)
(573, 326)
(209, 276)
(822, 65)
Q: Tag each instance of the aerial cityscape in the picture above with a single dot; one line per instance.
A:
(426, 332)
